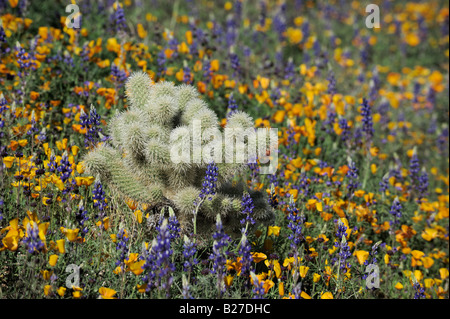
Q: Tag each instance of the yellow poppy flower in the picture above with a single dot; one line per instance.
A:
(47, 289)
(303, 271)
(273, 230)
(327, 295)
(8, 161)
(398, 286)
(362, 256)
(53, 259)
(71, 234)
(61, 291)
(257, 257)
(60, 243)
(107, 293)
(316, 277)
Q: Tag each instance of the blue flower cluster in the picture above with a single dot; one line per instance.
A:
(64, 168)
(232, 106)
(218, 256)
(189, 251)
(352, 175)
(295, 225)
(344, 249)
(419, 291)
(367, 121)
(247, 259)
(118, 19)
(258, 289)
(384, 185)
(32, 240)
(209, 184)
(422, 188)
(396, 211)
(98, 194)
(247, 209)
(173, 226)
(25, 61)
(82, 217)
(118, 76)
(92, 124)
(343, 125)
(158, 265)
(52, 164)
(121, 246)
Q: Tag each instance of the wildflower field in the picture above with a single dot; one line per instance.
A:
(92, 207)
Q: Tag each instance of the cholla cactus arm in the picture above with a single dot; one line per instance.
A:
(138, 89)
(139, 163)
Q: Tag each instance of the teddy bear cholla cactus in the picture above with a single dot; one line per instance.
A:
(138, 166)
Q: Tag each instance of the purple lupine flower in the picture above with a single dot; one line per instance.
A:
(2, 34)
(366, 113)
(173, 226)
(292, 143)
(121, 246)
(25, 61)
(209, 184)
(207, 71)
(92, 124)
(442, 141)
(1, 208)
(341, 244)
(187, 75)
(232, 106)
(343, 125)
(384, 185)
(33, 129)
(161, 61)
(289, 70)
(414, 168)
(98, 195)
(419, 291)
(329, 122)
(231, 33)
(247, 209)
(52, 164)
(279, 22)
(218, 256)
(189, 251)
(158, 266)
(235, 64)
(81, 216)
(208, 190)
(422, 186)
(64, 168)
(296, 221)
(3, 104)
(352, 175)
(117, 19)
(246, 256)
(396, 212)
(185, 292)
(258, 288)
(331, 84)
(118, 76)
(303, 185)
(32, 240)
